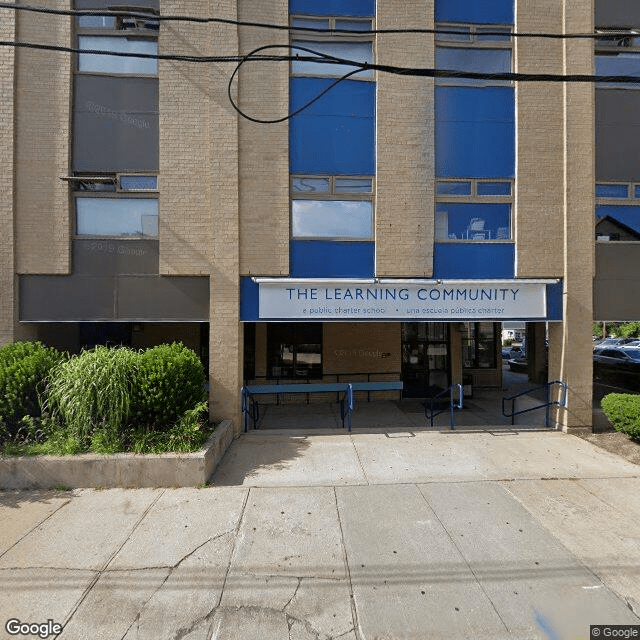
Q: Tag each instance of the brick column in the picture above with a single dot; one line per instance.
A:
(7, 280)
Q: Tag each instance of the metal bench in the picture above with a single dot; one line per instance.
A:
(251, 408)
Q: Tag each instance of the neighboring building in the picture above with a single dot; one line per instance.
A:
(383, 233)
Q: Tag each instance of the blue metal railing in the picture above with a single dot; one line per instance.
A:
(561, 402)
(434, 406)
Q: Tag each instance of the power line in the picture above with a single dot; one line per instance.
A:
(265, 25)
(319, 57)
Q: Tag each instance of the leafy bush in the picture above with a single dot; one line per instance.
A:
(623, 411)
(24, 371)
(169, 381)
(107, 400)
(90, 396)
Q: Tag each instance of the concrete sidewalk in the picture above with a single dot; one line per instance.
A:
(378, 534)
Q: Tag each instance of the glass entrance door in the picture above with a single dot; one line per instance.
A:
(425, 358)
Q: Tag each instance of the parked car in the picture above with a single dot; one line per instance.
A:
(618, 367)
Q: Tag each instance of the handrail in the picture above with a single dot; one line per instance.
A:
(562, 402)
(431, 413)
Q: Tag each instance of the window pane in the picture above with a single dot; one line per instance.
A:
(494, 12)
(332, 219)
(310, 23)
(493, 34)
(97, 22)
(494, 188)
(474, 60)
(473, 222)
(354, 185)
(139, 183)
(612, 191)
(353, 25)
(310, 185)
(621, 64)
(358, 51)
(117, 216)
(453, 188)
(91, 62)
(453, 34)
(636, 191)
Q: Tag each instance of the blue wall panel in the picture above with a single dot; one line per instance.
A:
(554, 301)
(249, 302)
(327, 259)
(473, 261)
(475, 132)
(335, 135)
(475, 11)
(333, 7)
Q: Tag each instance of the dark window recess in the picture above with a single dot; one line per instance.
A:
(294, 351)
(479, 341)
(249, 351)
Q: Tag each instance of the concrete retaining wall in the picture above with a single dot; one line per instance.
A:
(130, 470)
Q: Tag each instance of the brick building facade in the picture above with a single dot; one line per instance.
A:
(141, 207)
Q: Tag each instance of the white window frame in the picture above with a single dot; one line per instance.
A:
(306, 38)
(333, 194)
(473, 198)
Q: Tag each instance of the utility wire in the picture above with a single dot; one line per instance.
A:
(265, 25)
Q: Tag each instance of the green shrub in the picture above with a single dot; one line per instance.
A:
(169, 381)
(90, 396)
(24, 371)
(623, 411)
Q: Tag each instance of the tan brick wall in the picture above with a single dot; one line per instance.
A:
(43, 83)
(539, 197)
(572, 347)
(199, 215)
(405, 152)
(263, 92)
(7, 57)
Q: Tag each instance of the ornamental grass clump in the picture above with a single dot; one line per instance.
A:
(89, 396)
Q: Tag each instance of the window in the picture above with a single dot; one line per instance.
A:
(473, 211)
(339, 45)
(108, 206)
(294, 351)
(618, 54)
(473, 48)
(336, 207)
(617, 212)
(479, 340)
(118, 35)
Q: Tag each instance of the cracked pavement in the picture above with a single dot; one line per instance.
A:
(467, 535)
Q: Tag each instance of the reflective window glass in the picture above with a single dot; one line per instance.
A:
(494, 188)
(620, 64)
(612, 191)
(476, 60)
(353, 25)
(310, 185)
(453, 188)
(310, 23)
(117, 217)
(97, 22)
(454, 34)
(332, 219)
(138, 183)
(92, 62)
(353, 185)
(493, 34)
(469, 221)
(358, 51)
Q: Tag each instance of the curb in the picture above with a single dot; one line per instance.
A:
(120, 470)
